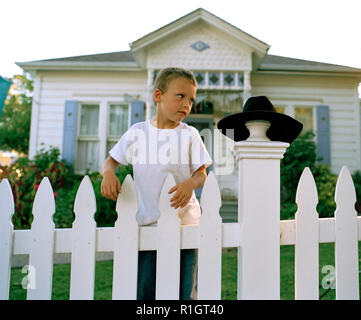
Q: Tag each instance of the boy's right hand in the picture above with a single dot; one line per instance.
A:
(110, 186)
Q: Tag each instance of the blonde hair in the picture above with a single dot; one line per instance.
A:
(165, 76)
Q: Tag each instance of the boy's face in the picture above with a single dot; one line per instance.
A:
(175, 104)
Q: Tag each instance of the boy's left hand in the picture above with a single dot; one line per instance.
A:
(183, 194)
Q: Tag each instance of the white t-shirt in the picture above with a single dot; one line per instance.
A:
(154, 153)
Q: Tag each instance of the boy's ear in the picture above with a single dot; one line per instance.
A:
(157, 95)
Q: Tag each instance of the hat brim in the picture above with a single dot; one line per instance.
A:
(283, 127)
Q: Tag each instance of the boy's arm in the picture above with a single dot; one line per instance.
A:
(110, 183)
(199, 177)
(185, 189)
(110, 165)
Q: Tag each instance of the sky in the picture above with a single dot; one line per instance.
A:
(319, 30)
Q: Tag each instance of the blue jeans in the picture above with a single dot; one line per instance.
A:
(147, 274)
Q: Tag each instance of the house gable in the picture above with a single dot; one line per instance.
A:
(220, 52)
(170, 42)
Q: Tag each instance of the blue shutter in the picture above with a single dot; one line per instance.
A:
(69, 131)
(323, 134)
(136, 111)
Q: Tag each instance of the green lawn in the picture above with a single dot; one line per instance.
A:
(104, 271)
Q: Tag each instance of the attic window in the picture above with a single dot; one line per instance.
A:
(214, 78)
(199, 46)
(227, 80)
(200, 77)
(240, 79)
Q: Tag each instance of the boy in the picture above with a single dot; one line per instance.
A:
(174, 93)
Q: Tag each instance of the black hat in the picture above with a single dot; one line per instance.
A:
(283, 127)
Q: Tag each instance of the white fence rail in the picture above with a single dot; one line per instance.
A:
(125, 239)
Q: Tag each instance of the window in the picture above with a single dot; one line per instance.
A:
(88, 139)
(100, 126)
(280, 109)
(218, 103)
(117, 123)
(214, 79)
(200, 78)
(240, 79)
(223, 80)
(229, 79)
(305, 116)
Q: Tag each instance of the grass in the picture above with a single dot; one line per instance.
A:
(104, 272)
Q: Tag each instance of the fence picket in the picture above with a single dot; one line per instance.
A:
(168, 253)
(6, 237)
(40, 267)
(307, 236)
(210, 242)
(83, 243)
(346, 245)
(126, 243)
(126, 238)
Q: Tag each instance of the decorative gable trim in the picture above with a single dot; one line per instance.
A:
(138, 47)
(199, 46)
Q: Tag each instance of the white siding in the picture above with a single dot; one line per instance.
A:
(56, 87)
(339, 93)
(224, 52)
(341, 96)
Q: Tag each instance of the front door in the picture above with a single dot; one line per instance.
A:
(200, 124)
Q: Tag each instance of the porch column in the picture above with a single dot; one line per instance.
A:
(149, 102)
(34, 124)
(246, 86)
(259, 217)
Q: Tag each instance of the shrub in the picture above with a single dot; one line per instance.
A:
(326, 184)
(25, 177)
(105, 215)
(301, 154)
(357, 182)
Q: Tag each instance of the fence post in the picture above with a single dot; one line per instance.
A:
(259, 217)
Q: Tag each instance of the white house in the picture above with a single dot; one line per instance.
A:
(84, 104)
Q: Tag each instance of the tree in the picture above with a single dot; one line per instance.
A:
(16, 115)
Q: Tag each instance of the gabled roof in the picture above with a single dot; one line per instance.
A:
(133, 60)
(279, 63)
(120, 56)
(191, 17)
(122, 60)
(138, 47)
(259, 47)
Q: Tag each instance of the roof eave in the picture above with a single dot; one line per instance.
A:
(303, 71)
(164, 31)
(79, 65)
(305, 68)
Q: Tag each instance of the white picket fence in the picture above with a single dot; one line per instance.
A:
(84, 239)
